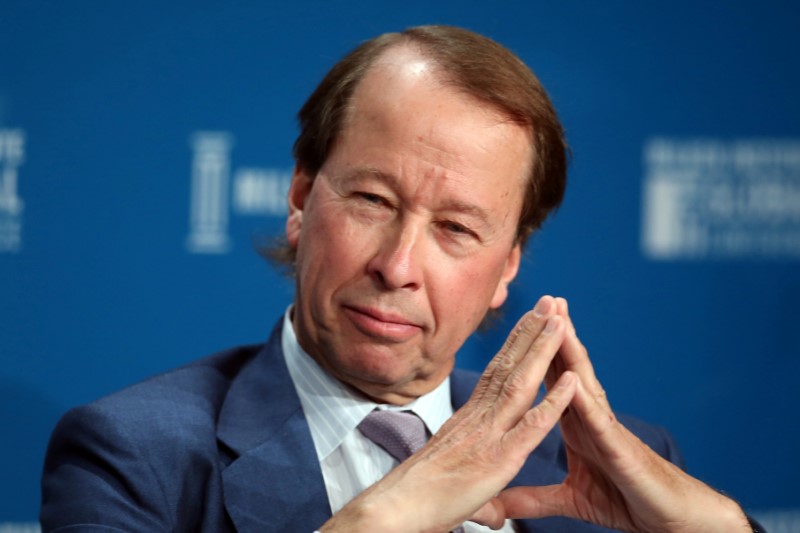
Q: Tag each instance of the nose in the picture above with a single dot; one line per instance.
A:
(397, 264)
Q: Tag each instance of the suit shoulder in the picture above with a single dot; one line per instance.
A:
(153, 443)
(161, 407)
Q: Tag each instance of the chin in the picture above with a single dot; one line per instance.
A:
(387, 374)
(377, 372)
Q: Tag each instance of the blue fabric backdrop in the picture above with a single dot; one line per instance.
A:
(144, 147)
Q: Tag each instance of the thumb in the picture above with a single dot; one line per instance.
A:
(534, 502)
(491, 514)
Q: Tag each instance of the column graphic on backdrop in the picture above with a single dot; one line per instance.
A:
(209, 197)
(718, 199)
(218, 193)
(12, 155)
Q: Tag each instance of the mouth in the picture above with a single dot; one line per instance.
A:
(381, 325)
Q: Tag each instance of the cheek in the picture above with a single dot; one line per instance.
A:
(461, 292)
(333, 245)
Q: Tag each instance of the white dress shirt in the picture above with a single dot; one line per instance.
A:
(350, 462)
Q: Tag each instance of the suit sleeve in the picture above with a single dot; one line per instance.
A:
(95, 478)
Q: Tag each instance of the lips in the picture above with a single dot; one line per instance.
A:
(381, 325)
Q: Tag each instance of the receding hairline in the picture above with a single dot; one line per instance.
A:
(411, 46)
(406, 48)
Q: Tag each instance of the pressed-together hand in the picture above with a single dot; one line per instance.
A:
(614, 479)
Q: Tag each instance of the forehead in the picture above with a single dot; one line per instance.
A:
(406, 96)
(403, 63)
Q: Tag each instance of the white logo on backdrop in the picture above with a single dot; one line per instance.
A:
(12, 155)
(215, 197)
(707, 198)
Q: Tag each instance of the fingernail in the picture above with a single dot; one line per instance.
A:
(542, 307)
(551, 324)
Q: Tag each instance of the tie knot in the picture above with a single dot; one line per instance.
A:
(400, 433)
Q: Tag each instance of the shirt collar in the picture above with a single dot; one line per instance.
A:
(333, 410)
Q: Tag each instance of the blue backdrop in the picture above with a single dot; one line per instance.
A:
(144, 148)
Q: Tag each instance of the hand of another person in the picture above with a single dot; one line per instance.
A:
(483, 445)
(614, 479)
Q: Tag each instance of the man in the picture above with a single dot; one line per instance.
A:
(425, 161)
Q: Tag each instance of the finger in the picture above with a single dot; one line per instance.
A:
(516, 394)
(538, 421)
(562, 308)
(574, 356)
(558, 366)
(554, 371)
(607, 435)
(516, 346)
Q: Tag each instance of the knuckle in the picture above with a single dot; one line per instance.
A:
(512, 337)
(505, 364)
(540, 417)
(515, 384)
(527, 327)
(520, 330)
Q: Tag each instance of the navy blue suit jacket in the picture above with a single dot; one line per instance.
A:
(223, 445)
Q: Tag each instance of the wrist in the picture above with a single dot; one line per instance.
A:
(737, 519)
(366, 514)
(731, 518)
(715, 514)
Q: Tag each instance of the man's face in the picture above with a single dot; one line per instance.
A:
(406, 236)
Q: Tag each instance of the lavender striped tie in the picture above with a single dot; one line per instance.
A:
(400, 433)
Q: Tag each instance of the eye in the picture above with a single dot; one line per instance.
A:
(452, 227)
(456, 229)
(370, 198)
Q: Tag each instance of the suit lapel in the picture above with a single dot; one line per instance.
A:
(274, 482)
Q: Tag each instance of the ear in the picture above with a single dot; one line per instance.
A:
(298, 193)
(509, 273)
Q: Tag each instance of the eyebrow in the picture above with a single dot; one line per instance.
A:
(453, 205)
